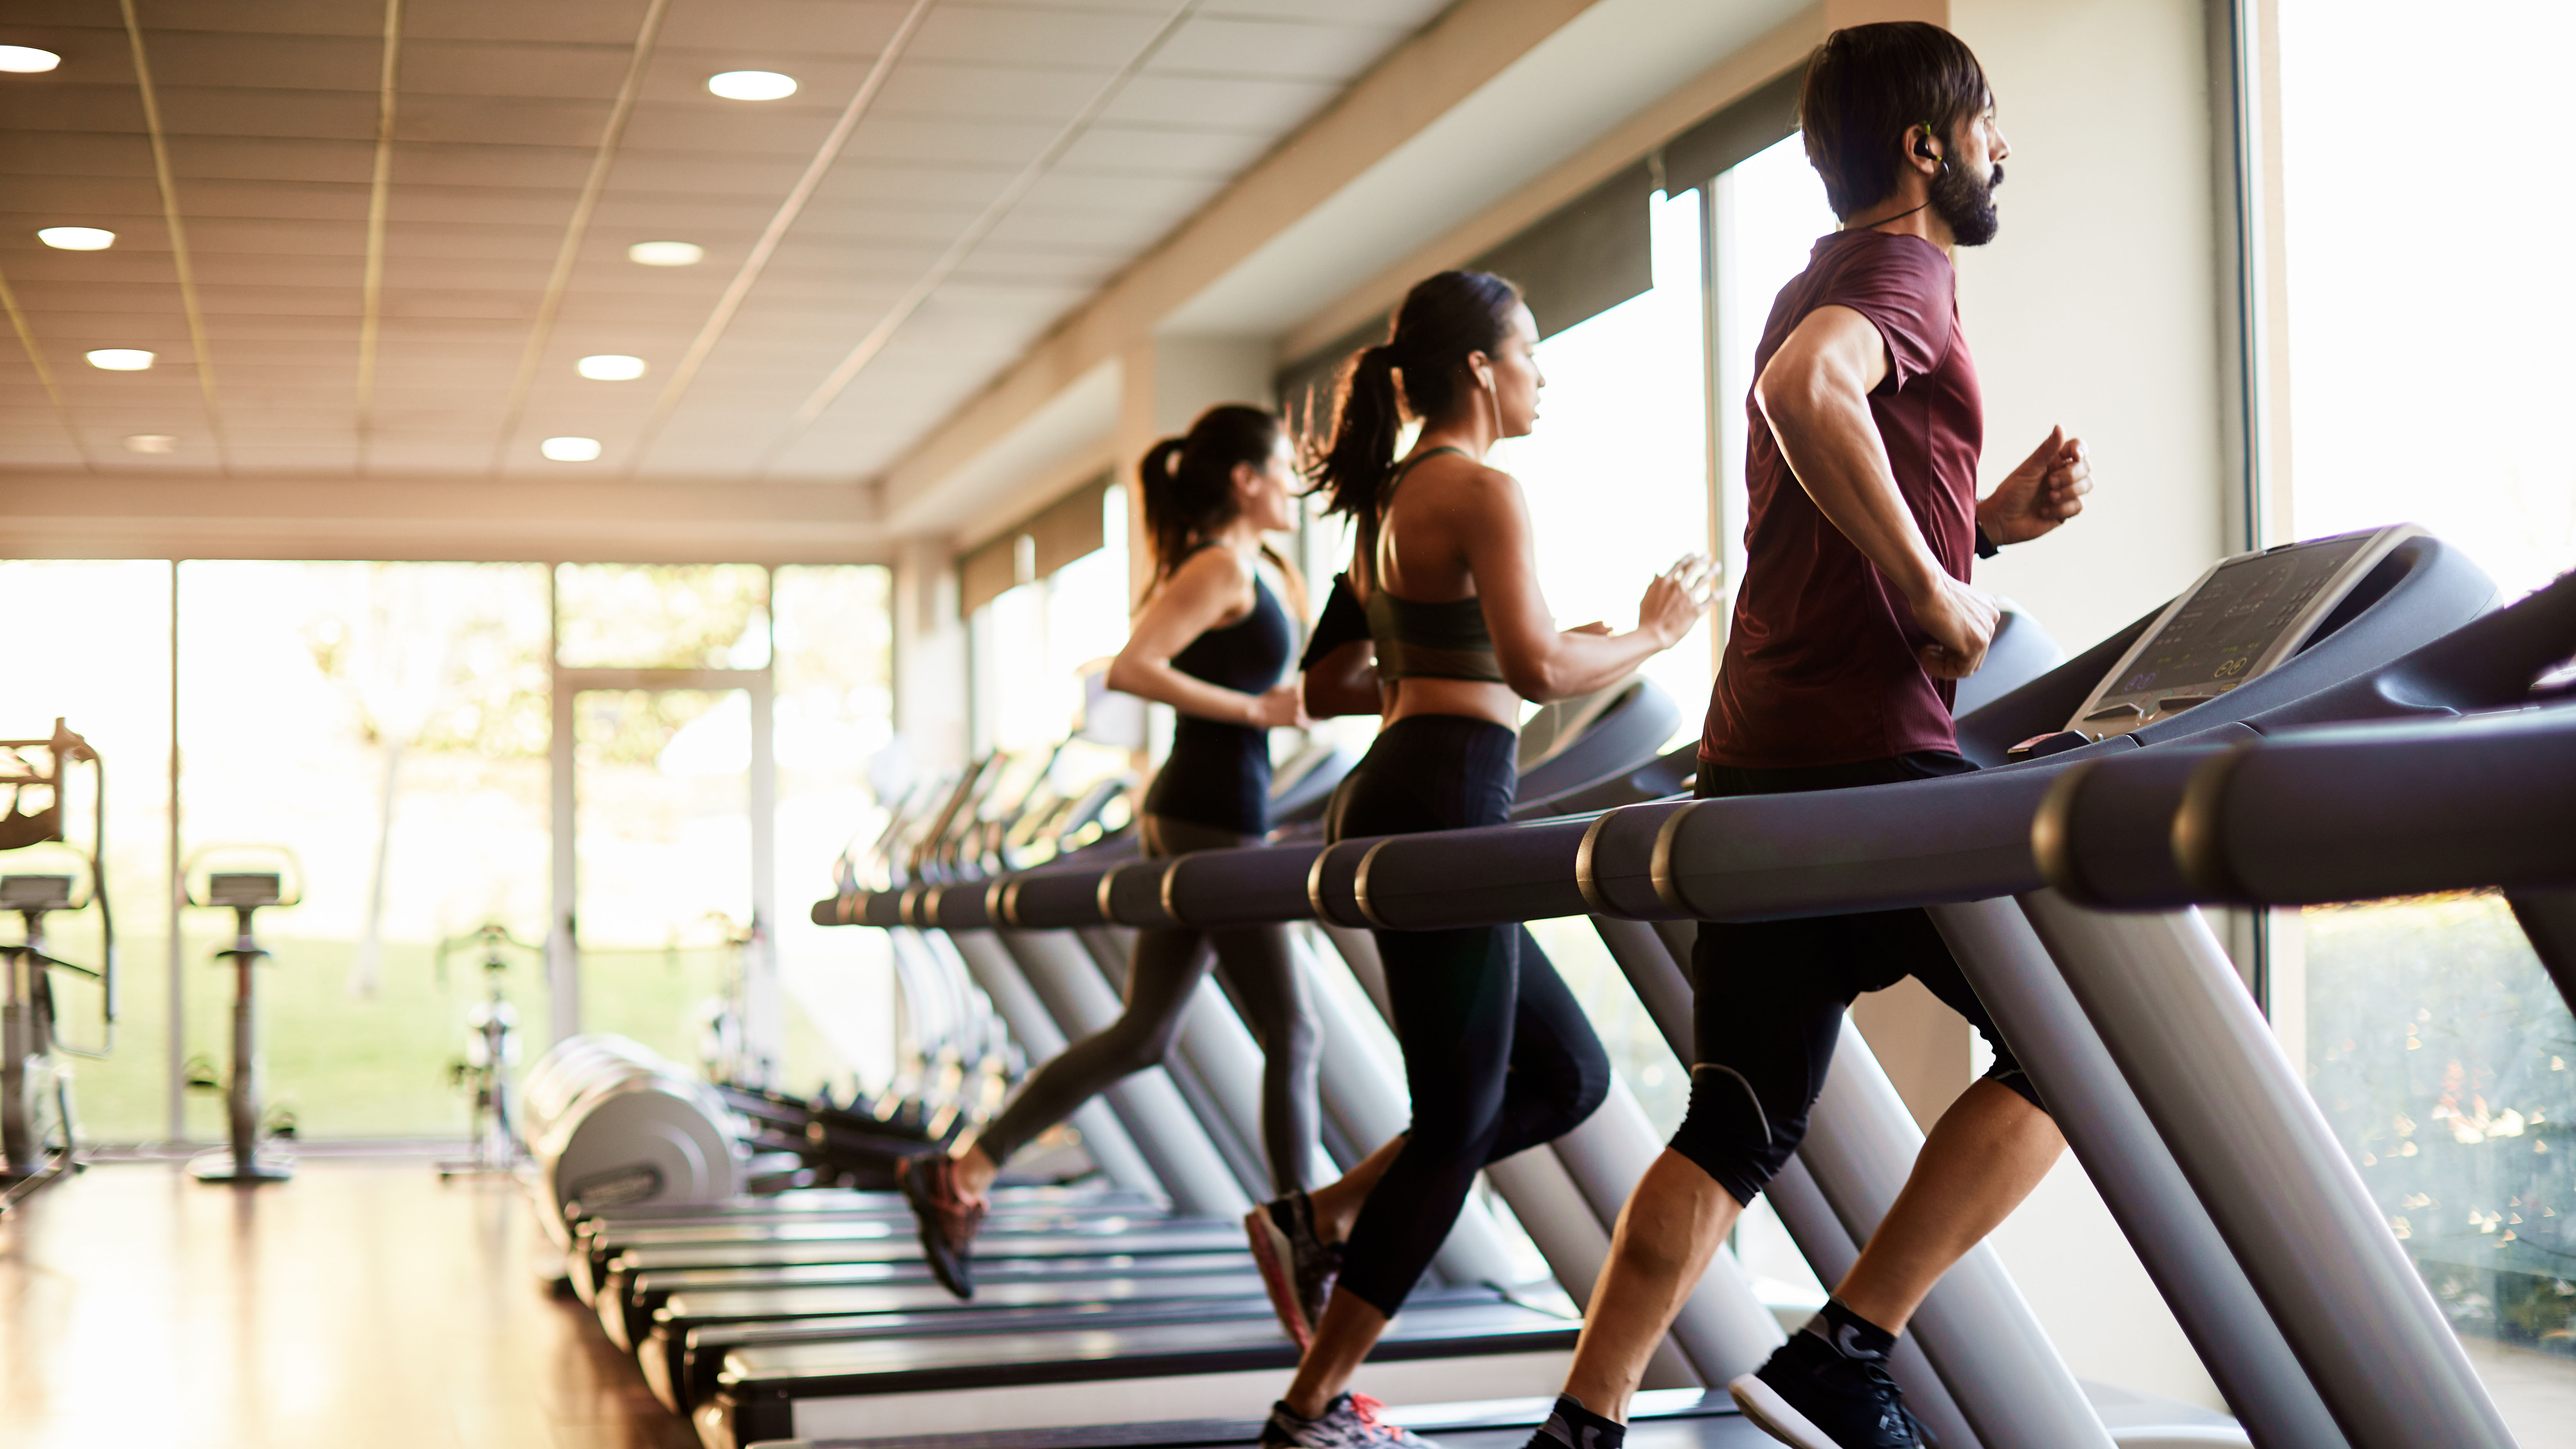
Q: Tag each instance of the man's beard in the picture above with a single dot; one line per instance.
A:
(1966, 205)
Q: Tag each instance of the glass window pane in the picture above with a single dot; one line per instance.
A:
(1032, 643)
(2422, 387)
(662, 616)
(388, 724)
(2417, 392)
(2446, 1060)
(835, 714)
(1616, 472)
(663, 780)
(1770, 208)
(92, 647)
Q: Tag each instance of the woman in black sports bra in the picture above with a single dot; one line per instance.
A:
(1212, 641)
(1498, 1056)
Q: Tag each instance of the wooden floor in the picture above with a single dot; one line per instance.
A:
(366, 1306)
(361, 1306)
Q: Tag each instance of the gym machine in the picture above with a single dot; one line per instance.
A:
(2265, 630)
(245, 893)
(39, 1128)
(491, 1052)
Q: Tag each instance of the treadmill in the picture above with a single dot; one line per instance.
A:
(2294, 621)
(780, 1380)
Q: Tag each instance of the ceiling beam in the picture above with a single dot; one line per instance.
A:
(71, 514)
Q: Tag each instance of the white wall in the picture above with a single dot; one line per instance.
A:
(2098, 306)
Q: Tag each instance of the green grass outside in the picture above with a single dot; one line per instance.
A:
(375, 1066)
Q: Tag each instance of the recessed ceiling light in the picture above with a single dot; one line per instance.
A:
(151, 443)
(77, 238)
(570, 450)
(121, 359)
(610, 367)
(27, 60)
(752, 85)
(666, 254)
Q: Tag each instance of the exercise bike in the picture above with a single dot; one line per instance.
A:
(491, 1052)
(39, 1130)
(244, 893)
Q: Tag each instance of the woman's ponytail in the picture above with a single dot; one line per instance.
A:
(1417, 369)
(1186, 484)
(1367, 421)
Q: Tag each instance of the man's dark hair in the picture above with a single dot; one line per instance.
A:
(1867, 88)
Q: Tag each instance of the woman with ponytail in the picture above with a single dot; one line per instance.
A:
(1497, 1054)
(1212, 641)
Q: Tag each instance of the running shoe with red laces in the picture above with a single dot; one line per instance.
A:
(947, 1216)
(1297, 1265)
(1348, 1422)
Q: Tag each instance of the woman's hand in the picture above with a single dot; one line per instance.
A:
(1675, 599)
(1282, 707)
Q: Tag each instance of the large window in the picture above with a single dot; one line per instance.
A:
(2425, 383)
(389, 726)
(91, 647)
(1617, 470)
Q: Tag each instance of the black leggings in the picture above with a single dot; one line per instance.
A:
(1168, 965)
(1771, 995)
(1497, 1054)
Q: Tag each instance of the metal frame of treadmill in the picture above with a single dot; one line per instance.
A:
(2473, 1399)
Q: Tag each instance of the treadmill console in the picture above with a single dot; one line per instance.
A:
(2237, 621)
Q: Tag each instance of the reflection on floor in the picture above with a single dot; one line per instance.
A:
(362, 1303)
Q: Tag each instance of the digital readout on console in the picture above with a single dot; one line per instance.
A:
(2211, 645)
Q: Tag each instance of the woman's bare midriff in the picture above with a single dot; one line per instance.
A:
(1474, 698)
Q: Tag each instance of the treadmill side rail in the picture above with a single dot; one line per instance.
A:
(2178, 1021)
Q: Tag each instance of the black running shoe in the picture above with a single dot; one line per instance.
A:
(948, 1218)
(1297, 1266)
(1812, 1397)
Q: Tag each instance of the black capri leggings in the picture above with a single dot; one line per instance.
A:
(1771, 995)
(1168, 964)
(1498, 1056)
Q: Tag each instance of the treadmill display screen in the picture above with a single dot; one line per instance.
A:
(2211, 645)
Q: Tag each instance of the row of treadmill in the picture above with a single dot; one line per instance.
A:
(2347, 718)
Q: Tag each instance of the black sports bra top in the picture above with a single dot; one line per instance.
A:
(1415, 640)
(1218, 774)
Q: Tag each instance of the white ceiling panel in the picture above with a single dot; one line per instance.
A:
(1271, 106)
(1301, 49)
(785, 28)
(591, 22)
(1171, 150)
(498, 68)
(1035, 35)
(498, 120)
(1406, 15)
(1016, 92)
(187, 58)
(270, 109)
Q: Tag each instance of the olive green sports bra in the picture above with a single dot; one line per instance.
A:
(1427, 641)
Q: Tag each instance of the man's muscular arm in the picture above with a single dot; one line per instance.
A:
(1815, 395)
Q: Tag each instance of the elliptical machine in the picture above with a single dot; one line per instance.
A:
(244, 893)
(39, 1131)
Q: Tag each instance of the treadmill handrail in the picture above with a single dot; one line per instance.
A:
(1927, 842)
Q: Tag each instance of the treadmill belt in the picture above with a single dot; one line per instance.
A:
(1110, 1352)
(1658, 1419)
